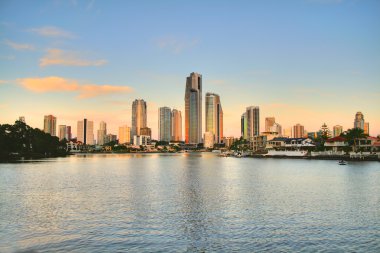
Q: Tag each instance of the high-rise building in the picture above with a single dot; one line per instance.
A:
(139, 119)
(111, 137)
(62, 133)
(176, 125)
(193, 108)
(298, 131)
(244, 126)
(209, 138)
(164, 124)
(337, 130)
(85, 132)
(69, 136)
(366, 128)
(214, 116)
(145, 131)
(124, 134)
(359, 120)
(102, 133)
(276, 128)
(253, 119)
(50, 125)
(288, 132)
(269, 122)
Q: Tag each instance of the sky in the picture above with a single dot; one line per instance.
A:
(301, 61)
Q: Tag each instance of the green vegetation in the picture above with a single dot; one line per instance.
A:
(21, 140)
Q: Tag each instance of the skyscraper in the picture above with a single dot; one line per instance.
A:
(244, 126)
(68, 133)
(124, 135)
(139, 119)
(193, 108)
(214, 116)
(85, 132)
(145, 131)
(50, 125)
(269, 122)
(164, 124)
(337, 130)
(298, 131)
(176, 125)
(366, 128)
(62, 133)
(253, 121)
(102, 133)
(359, 120)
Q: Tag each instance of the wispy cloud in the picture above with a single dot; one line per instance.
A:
(176, 45)
(67, 58)
(3, 82)
(18, 46)
(325, 1)
(52, 31)
(60, 84)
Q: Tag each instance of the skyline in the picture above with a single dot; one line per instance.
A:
(300, 61)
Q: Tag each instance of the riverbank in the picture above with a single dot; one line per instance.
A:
(346, 157)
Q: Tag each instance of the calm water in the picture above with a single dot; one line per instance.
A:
(189, 202)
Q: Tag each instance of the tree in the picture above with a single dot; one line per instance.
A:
(351, 135)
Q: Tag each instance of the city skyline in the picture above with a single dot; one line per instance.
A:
(309, 74)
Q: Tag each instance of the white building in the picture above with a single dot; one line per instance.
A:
(139, 140)
(208, 140)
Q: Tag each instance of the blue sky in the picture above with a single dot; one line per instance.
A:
(305, 61)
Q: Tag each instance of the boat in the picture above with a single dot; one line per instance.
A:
(342, 162)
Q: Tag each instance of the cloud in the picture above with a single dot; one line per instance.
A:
(18, 46)
(67, 58)
(52, 31)
(3, 82)
(325, 1)
(217, 82)
(176, 45)
(60, 84)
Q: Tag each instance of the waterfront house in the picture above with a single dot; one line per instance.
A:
(336, 144)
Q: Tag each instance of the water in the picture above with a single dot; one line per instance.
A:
(189, 202)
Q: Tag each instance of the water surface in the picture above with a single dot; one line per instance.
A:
(189, 202)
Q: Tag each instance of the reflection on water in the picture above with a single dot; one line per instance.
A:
(188, 202)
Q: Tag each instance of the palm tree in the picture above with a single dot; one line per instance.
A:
(352, 135)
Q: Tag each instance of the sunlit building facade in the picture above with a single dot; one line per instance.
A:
(193, 109)
(269, 122)
(85, 132)
(359, 120)
(139, 119)
(62, 133)
(164, 124)
(124, 134)
(298, 131)
(50, 125)
(176, 119)
(366, 128)
(253, 121)
(102, 133)
(244, 126)
(146, 131)
(209, 139)
(214, 116)
(337, 130)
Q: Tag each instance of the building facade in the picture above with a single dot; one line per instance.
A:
(50, 125)
(146, 131)
(337, 130)
(366, 128)
(164, 124)
(244, 126)
(62, 132)
(209, 140)
(298, 131)
(214, 116)
(139, 119)
(253, 121)
(124, 134)
(102, 133)
(85, 132)
(269, 122)
(176, 134)
(359, 120)
(193, 109)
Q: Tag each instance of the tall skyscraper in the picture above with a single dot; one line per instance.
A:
(253, 119)
(359, 120)
(50, 125)
(269, 122)
(176, 125)
(139, 119)
(164, 124)
(102, 133)
(85, 132)
(298, 131)
(69, 135)
(124, 134)
(62, 133)
(214, 116)
(244, 126)
(366, 128)
(193, 108)
(337, 130)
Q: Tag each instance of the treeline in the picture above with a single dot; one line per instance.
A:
(20, 140)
